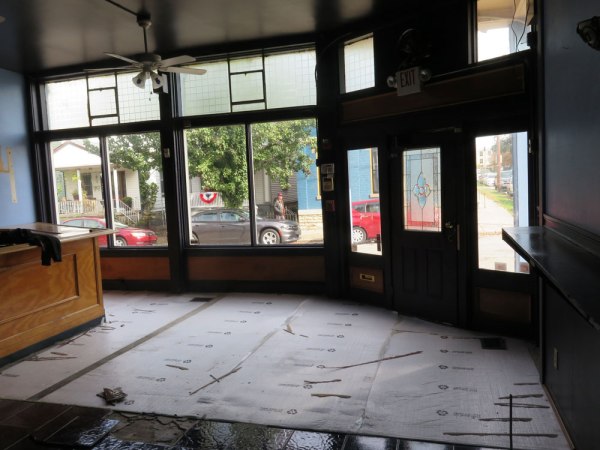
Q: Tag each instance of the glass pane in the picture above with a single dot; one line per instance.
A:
(208, 93)
(502, 27)
(288, 204)
(105, 121)
(359, 64)
(502, 198)
(218, 185)
(422, 190)
(290, 79)
(78, 184)
(247, 87)
(248, 107)
(365, 217)
(136, 104)
(136, 194)
(246, 64)
(66, 104)
(103, 102)
(102, 81)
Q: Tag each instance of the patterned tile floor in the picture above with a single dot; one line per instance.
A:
(32, 426)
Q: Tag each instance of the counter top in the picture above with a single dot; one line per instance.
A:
(572, 269)
(64, 233)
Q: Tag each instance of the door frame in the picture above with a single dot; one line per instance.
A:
(493, 279)
(449, 139)
(355, 263)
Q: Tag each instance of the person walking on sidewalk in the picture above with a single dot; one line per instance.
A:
(279, 207)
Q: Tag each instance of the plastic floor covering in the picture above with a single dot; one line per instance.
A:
(303, 362)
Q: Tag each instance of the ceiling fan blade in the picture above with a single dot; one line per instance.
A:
(183, 59)
(189, 70)
(123, 58)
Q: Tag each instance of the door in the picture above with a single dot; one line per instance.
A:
(425, 232)
(235, 228)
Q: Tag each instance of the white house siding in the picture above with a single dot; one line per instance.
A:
(132, 184)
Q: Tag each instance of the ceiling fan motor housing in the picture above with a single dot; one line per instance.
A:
(143, 20)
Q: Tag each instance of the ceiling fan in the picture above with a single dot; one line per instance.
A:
(151, 65)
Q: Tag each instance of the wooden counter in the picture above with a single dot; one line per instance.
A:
(39, 303)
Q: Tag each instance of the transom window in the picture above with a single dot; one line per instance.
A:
(502, 27)
(99, 100)
(255, 82)
(359, 64)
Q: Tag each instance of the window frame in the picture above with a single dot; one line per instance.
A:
(257, 119)
(170, 126)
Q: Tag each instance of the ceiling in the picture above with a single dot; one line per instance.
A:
(44, 35)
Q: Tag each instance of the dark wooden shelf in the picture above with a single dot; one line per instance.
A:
(571, 268)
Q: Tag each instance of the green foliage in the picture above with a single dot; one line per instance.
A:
(218, 155)
(128, 201)
(141, 153)
(278, 149)
(91, 147)
(501, 198)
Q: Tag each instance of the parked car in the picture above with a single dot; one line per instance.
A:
(366, 220)
(488, 179)
(232, 226)
(125, 235)
(506, 180)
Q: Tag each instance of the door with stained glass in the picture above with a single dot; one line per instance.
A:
(425, 236)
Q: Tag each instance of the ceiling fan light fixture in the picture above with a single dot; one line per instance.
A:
(159, 82)
(150, 65)
(140, 79)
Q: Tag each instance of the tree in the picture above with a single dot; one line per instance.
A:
(218, 155)
(506, 149)
(141, 153)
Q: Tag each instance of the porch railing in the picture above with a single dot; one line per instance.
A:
(92, 207)
(125, 212)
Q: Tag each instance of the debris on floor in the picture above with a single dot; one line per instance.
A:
(112, 396)
(216, 380)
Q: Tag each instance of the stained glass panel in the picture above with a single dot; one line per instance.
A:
(422, 190)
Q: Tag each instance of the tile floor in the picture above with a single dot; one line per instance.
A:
(42, 426)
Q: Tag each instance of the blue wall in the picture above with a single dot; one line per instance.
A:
(359, 173)
(13, 134)
(308, 187)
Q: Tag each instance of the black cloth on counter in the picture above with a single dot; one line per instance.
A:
(50, 244)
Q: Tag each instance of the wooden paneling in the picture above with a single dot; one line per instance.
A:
(501, 305)
(367, 278)
(38, 302)
(135, 268)
(257, 268)
(461, 89)
(572, 368)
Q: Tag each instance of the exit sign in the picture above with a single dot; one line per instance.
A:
(408, 81)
